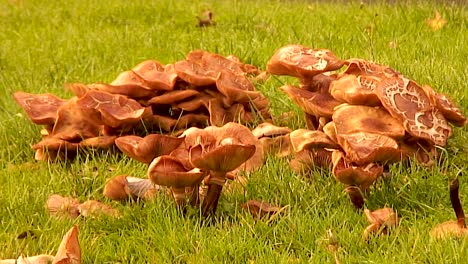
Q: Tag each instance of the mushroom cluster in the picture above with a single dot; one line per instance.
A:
(205, 157)
(204, 89)
(362, 118)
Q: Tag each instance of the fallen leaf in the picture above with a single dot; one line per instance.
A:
(437, 22)
(260, 209)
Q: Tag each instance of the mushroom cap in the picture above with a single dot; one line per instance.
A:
(267, 129)
(260, 209)
(446, 106)
(102, 142)
(169, 171)
(364, 67)
(357, 118)
(384, 216)
(41, 108)
(194, 73)
(300, 61)
(330, 130)
(355, 90)
(312, 103)
(308, 159)
(157, 76)
(115, 110)
(222, 158)
(406, 101)
(172, 97)
(279, 146)
(76, 122)
(116, 188)
(220, 116)
(362, 176)
(363, 148)
(236, 87)
(69, 251)
(309, 139)
(147, 148)
(449, 229)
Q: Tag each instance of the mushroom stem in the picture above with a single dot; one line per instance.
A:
(355, 195)
(215, 186)
(179, 196)
(194, 199)
(456, 204)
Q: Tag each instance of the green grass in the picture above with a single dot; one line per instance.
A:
(45, 44)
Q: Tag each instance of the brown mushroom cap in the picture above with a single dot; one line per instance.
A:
(169, 171)
(446, 106)
(384, 216)
(355, 90)
(407, 102)
(363, 148)
(115, 110)
(220, 116)
(92, 209)
(300, 61)
(313, 103)
(222, 158)
(157, 76)
(330, 130)
(279, 146)
(362, 176)
(147, 148)
(194, 73)
(69, 251)
(173, 97)
(60, 206)
(357, 118)
(41, 109)
(236, 87)
(308, 159)
(308, 139)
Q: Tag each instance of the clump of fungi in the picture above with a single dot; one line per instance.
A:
(453, 228)
(195, 160)
(373, 115)
(203, 89)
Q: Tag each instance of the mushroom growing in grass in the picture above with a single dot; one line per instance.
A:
(123, 187)
(170, 171)
(218, 161)
(382, 221)
(453, 228)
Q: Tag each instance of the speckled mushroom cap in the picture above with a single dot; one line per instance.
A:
(446, 106)
(356, 90)
(407, 102)
(300, 61)
(312, 103)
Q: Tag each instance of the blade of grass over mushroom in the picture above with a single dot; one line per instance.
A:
(46, 44)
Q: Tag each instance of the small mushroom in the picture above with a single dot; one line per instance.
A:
(308, 159)
(123, 187)
(453, 228)
(261, 209)
(206, 19)
(269, 130)
(69, 251)
(169, 171)
(218, 161)
(355, 90)
(382, 221)
(309, 139)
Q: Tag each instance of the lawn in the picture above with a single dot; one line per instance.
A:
(45, 44)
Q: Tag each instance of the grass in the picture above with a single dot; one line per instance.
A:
(45, 44)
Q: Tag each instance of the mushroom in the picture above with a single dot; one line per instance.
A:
(406, 101)
(148, 148)
(453, 228)
(41, 109)
(309, 139)
(446, 106)
(381, 221)
(157, 76)
(206, 19)
(302, 62)
(260, 209)
(69, 251)
(218, 161)
(355, 90)
(39, 259)
(169, 171)
(314, 104)
(123, 187)
(363, 67)
(274, 139)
